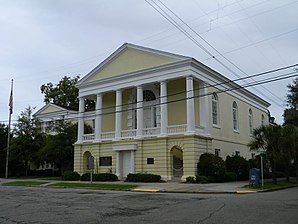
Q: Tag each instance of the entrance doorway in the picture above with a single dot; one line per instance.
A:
(177, 162)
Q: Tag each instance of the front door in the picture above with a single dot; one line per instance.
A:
(126, 163)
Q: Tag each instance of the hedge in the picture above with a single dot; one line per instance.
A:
(99, 177)
(70, 175)
(142, 177)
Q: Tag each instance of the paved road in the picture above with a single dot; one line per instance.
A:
(52, 205)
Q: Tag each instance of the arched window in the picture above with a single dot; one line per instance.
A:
(250, 121)
(235, 116)
(148, 95)
(215, 119)
(263, 120)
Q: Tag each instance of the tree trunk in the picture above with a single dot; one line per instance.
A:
(26, 168)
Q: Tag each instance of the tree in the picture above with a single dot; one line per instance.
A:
(269, 139)
(59, 147)
(65, 94)
(289, 143)
(238, 165)
(211, 166)
(291, 113)
(3, 146)
(28, 139)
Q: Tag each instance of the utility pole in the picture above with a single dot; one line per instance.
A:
(8, 128)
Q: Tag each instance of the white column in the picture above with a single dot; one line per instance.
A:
(204, 108)
(163, 108)
(118, 164)
(81, 119)
(118, 121)
(98, 117)
(190, 105)
(139, 111)
(132, 161)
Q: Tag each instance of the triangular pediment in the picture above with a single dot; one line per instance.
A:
(128, 59)
(50, 109)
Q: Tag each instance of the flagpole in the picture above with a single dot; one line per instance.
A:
(8, 129)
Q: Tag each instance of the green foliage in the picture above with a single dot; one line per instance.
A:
(143, 177)
(65, 94)
(238, 165)
(211, 165)
(191, 180)
(59, 148)
(3, 143)
(291, 116)
(70, 175)
(230, 176)
(27, 141)
(268, 138)
(202, 179)
(100, 177)
(292, 97)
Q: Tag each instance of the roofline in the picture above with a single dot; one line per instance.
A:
(132, 46)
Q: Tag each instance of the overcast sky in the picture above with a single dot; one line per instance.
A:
(41, 41)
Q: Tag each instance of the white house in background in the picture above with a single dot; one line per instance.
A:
(51, 113)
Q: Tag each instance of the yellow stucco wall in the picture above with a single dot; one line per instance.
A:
(108, 111)
(176, 110)
(225, 138)
(50, 109)
(130, 60)
(157, 148)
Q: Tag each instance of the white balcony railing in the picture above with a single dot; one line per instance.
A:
(108, 135)
(88, 137)
(154, 131)
(151, 131)
(128, 133)
(177, 129)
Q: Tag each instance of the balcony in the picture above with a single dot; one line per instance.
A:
(147, 132)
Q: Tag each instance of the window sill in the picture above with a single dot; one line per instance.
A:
(216, 126)
(236, 131)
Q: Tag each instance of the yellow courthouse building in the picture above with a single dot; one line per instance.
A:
(157, 112)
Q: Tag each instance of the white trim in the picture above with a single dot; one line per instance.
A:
(127, 147)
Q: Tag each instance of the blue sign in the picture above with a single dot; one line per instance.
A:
(254, 176)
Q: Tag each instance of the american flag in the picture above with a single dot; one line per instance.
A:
(10, 102)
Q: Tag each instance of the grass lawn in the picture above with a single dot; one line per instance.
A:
(270, 186)
(50, 178)
(24, 183)
(121, 187)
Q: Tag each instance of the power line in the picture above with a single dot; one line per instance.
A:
(215, 85)
(178, 26)
(251, 84)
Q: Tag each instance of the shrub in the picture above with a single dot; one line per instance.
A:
(70, 175)
(202, 179)
(230, 176)
(211, 166)
(191, 180)
(238, 165)
(99, 177)
(142, 177)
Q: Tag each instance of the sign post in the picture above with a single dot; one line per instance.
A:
(261, 152)
(91, 166)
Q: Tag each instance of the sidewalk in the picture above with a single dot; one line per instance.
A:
(170, 187)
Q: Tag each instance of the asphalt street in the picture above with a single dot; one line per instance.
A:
(58, 205)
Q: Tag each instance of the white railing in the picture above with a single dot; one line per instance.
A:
(177, 129)
(128, 133)
(108, 135)
(88, 137)
(151, 131)
(172, 130)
